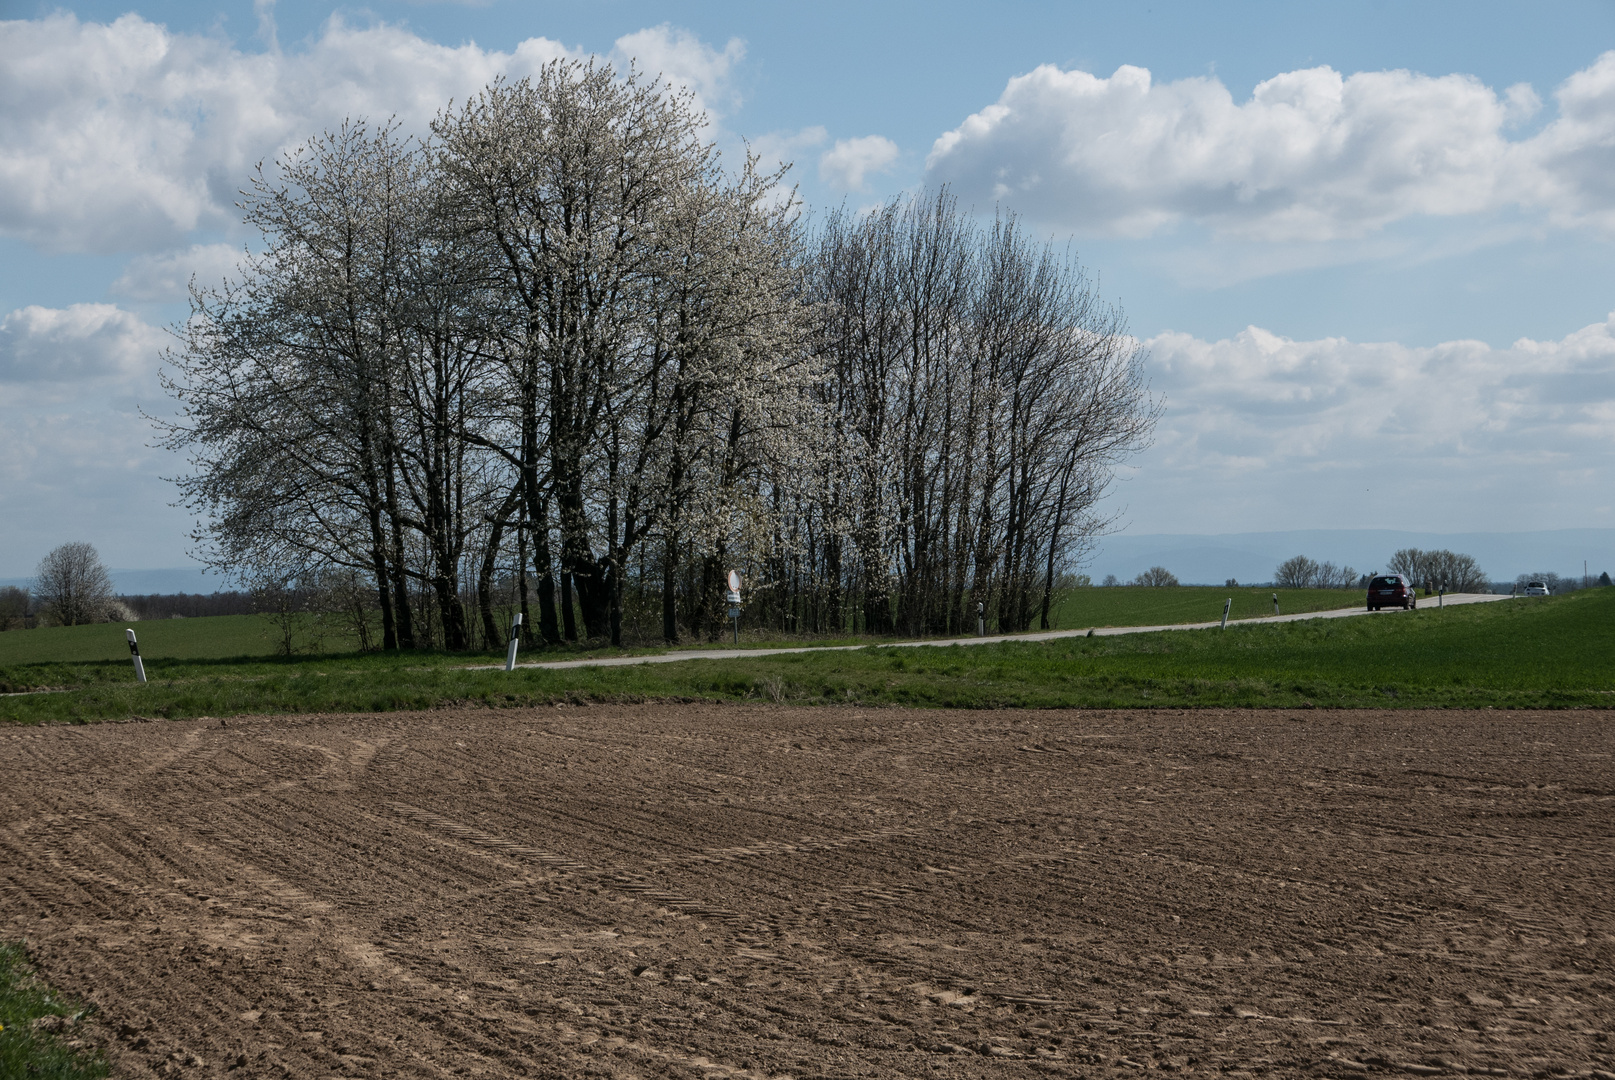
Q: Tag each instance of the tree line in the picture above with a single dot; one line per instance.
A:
(1434, 570)
(71, 587)
(556, 358)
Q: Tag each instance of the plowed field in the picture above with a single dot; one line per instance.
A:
(711, 891)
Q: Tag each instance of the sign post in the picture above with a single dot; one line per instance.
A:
(734, 601)
(134, 651)
(515, 641)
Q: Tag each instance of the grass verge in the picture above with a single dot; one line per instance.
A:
(1556, 652)
(222, 637)
(33, 1020)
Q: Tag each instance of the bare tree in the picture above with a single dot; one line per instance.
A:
(1451, 571)
(1299, 572)
(72, 587)
(1330, 576)
(1439, 569)
(982, 395)
(1156, 576)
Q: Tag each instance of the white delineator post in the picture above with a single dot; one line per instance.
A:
(734, 601)
(1275, 603)
(515, 640)
(134, 651)
(981, 618)
(1226, 604)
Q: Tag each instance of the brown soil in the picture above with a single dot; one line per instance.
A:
(711, 891)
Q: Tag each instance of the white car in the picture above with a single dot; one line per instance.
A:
(1535, 588)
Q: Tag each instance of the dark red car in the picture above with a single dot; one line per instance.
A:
(1391, 590)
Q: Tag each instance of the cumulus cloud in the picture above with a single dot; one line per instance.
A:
(848, 164)
(1307, 428)
(124, 136)
(685, 61)
(166, 277)
(1312, 155)
(71, 345)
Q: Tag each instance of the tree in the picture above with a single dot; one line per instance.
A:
(1603, 579)
(1156, 576)
(1450, 571)
(14, 605)
(72, 586)
(1299, 572)
(1330, 576)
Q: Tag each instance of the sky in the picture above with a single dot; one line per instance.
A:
(1367, 246)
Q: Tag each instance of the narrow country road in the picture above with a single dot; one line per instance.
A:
(1046, 635)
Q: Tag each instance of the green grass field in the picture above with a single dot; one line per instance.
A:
(1540, 653)
(232, 636)
(1128, 606)
(26, 1049)
(211, 638)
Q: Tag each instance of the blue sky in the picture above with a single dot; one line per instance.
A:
(1368, 245)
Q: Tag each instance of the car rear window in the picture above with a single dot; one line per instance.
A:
(1386, 582)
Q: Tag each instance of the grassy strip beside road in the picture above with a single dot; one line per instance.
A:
(1548, 653)
(30, 1017)
(237, 636)
(1129, 606)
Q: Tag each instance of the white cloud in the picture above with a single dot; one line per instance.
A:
(1263, 431)
(125, 136)
(778, 148)
(848, 163)
(1576, 152)
(68, 346)
(166, 277)
(1312, 155)
(684, 60)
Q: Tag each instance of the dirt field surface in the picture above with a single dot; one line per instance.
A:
(712, 891)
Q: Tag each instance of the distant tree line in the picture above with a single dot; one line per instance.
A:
(71, 587)
(1557, 583)
(555, 359)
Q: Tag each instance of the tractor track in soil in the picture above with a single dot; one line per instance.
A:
(737, 891)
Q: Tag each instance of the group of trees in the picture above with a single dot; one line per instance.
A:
(1440, 570)
(1303, 573)
(556, 357)
(1432, 570)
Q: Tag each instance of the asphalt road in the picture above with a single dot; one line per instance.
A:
(1452, 599)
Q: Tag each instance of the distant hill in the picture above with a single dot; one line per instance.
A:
(183, 579)
(1250, 557)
